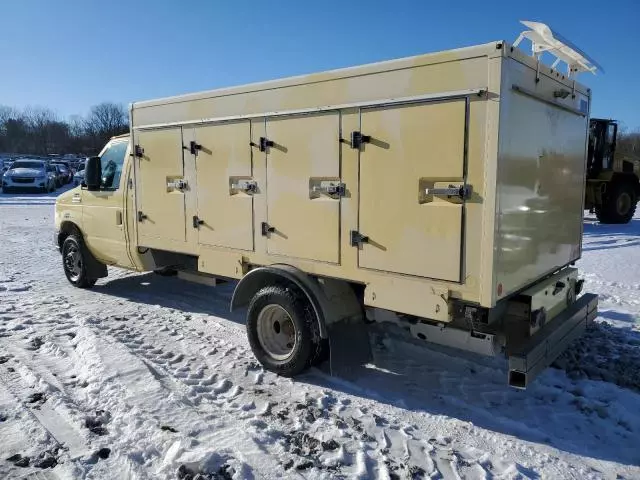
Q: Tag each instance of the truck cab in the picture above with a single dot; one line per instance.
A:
(97, 219)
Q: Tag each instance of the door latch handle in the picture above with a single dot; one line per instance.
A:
(462, 191)
(334, 189)
(141, 216)
(179, 184)
(247, 186)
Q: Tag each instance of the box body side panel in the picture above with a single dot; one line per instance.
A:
(412, 292)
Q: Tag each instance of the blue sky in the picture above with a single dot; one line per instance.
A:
(71, 54)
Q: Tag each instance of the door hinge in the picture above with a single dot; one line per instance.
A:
(141, 216)
(139, 151)
(358, 139)
(357, 239)
(266, 229)
(264, 144)
(462, 191)
(197, 222)
(130, 183)
(193, 147)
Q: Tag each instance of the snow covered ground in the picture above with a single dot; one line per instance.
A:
(150, 377)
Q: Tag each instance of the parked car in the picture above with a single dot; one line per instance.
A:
(78, 177)
(67, 173)
(59, 174)
(28, 175)
(53, 173)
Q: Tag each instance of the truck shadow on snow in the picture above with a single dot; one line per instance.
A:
(562, 409)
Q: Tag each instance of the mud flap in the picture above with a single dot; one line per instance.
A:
(95, 268)
(349, 347)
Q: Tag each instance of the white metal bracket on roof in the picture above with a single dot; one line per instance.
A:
(543, 39)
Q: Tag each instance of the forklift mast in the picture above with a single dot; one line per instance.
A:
(602, 146)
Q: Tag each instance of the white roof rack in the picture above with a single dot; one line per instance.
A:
(543, 39)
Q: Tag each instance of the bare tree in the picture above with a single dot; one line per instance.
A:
(106, 120)
(628, 145)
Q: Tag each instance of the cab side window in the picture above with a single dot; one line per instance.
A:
(111, 161)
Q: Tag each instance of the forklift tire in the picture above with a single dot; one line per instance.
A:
(619, 204)
(283, 330)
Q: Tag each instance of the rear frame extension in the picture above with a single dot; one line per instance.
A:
(544, 347)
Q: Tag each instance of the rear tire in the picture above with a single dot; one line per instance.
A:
(74, 262)
(619, 203)
(283, 330)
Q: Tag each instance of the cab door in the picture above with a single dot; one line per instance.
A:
(103, 210)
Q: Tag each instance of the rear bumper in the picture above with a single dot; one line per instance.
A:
(545, 346)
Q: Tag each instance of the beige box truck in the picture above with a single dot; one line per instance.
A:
(440, 193)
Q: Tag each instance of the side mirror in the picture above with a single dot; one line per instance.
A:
(93, 174)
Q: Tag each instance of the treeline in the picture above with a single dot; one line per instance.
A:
(40, 131)
(628, 146)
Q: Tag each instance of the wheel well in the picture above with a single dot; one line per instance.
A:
(332, 300)
(66, 229)
(96, 268)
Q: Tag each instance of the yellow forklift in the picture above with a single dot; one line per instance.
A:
(613, 185)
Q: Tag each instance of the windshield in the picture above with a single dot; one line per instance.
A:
(22, 164)
(61, 166)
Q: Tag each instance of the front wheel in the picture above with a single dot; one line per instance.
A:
(74, 263)
(283, 330)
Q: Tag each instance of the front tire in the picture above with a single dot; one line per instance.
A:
(619, 204)
(74, 262)
(283, 330)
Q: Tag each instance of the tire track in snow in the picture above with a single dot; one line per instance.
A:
(158, 345)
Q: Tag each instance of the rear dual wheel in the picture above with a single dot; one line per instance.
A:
(283, 330)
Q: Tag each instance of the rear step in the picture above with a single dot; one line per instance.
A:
(544, 347)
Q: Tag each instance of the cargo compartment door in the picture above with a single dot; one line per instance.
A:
(303, 176)
(160, 189)
(225, 186)
(411, 168)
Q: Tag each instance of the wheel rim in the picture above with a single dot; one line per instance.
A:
(73, 263)
(276, 332)
(623, 204)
